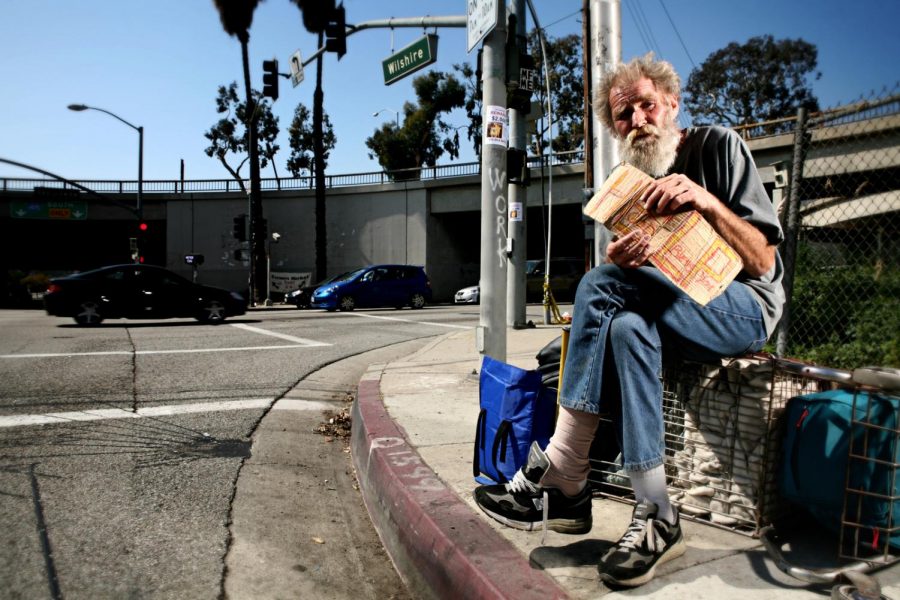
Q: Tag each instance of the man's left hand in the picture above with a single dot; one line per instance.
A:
(676, 192)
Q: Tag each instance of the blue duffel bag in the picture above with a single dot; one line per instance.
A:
(819, 473)
(516, 409)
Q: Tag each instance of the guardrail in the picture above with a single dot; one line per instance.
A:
(174, 186)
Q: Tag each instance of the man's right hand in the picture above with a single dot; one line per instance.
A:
(629, 251)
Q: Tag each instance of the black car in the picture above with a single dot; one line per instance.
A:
(302, 296)
(138, 292)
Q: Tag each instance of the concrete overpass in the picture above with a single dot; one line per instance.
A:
(433, 221)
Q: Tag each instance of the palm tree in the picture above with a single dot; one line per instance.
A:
(236, 17)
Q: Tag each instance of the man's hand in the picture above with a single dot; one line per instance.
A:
(629, 251)
(676, 192)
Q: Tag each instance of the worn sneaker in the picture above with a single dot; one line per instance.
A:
(524, 504)
(648, 542)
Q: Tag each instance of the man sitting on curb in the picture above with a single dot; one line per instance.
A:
(626, 311)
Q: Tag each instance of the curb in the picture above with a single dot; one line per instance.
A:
(440, 548)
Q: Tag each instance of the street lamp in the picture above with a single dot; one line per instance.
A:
(397, 113)
(140, 130)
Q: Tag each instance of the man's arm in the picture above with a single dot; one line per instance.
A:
(675, 191)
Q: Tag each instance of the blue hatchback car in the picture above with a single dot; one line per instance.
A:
(376, 286)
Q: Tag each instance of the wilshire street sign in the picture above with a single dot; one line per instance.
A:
(420, 53)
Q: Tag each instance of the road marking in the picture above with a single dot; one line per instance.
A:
(284, 336)
(147, 352)
(118, 413)
(297, 404)
(355, 314)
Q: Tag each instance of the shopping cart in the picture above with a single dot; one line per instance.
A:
(864, 547)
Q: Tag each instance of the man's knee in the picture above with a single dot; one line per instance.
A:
(599, 280)
(630, 328)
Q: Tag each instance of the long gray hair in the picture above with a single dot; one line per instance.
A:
(660, 72)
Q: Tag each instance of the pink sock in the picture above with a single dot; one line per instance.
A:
(568, 451)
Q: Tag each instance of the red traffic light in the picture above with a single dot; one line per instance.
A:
(142, 227)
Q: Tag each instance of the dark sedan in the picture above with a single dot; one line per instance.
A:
(138, 292)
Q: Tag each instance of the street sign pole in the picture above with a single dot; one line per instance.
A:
(491, 332)
(518, 200)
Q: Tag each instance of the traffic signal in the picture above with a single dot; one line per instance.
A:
(240, 228)
(270, 79)
(336, 32)
(315, 14)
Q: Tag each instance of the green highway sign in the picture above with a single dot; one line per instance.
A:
(417, 55)
(65, 210)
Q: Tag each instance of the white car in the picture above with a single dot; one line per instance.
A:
(469, 295)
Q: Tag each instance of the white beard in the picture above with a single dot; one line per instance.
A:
(654, 153)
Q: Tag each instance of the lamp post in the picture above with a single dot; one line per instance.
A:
(140, 130)
(396, 113)
(275, 237)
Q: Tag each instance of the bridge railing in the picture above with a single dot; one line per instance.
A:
(174, 186)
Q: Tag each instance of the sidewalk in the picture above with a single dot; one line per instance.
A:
(413, 432)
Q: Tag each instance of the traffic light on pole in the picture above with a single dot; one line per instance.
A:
(336, 32)
(139, 243)
(315, 13)
(270, 79)
(240, 228)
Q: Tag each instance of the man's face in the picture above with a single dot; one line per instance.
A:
(635, 105)
(644, 121)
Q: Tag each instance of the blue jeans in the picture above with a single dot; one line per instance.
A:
(623, 320)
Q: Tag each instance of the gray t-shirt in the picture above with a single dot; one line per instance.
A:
(717, 159)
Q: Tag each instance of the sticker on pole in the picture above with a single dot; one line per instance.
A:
(496, 126)
(482, 18)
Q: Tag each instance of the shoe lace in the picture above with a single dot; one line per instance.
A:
(520, 484)
(642, 532)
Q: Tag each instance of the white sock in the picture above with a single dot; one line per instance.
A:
(651, 485)
(569, 450)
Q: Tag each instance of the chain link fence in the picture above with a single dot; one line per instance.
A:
(842, 226)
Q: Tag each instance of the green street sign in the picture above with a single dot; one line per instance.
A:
(417, 55)
(63, 210)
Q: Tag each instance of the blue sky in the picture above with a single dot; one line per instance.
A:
(158, 64)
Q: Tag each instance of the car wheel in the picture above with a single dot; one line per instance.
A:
(89, 313)
(213, 312)
(417, 301)
(347, 303)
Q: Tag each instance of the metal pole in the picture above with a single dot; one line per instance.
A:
(140, 196)
(518, 198)
(318, 154)
(268, 273)
(791, 231)
(491, 332)
(588, 130)
(606, 53)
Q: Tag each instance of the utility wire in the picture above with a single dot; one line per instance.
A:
(666, 10)
(560, 20)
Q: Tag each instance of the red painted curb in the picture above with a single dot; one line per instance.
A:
(439, 547)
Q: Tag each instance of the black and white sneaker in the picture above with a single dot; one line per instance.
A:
(524, 504)
(648, 542)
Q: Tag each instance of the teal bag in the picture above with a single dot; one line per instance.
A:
(818, 474)
(516, 409)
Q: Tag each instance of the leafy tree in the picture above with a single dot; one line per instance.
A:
(229, 137)
(760, 80)
(424, 136)
(302, 141)
(567, 83)
(472, 104)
